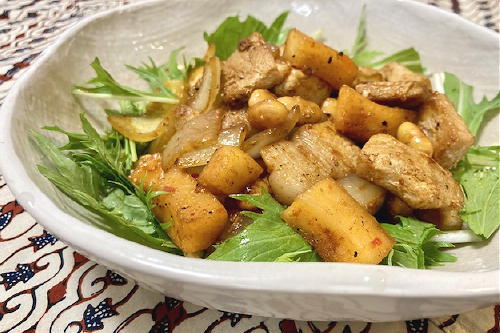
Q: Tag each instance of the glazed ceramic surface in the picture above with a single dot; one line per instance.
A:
(305, 291)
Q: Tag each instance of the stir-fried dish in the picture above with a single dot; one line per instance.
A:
(274, 146)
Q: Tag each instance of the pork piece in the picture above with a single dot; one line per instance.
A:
(309, 87)
(254, 65)
(408, 173)
(443, 218)
(291, 173)
(394, 72)
(406, 94)
(448, 133)
(395, 206)
(333, 153)
(367, 74)
(314, 153)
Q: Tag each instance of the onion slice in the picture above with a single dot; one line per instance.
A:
(231, 136)
(157, 120)
(199, 132)
(209, 88)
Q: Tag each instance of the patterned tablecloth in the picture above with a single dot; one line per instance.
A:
(45, 286)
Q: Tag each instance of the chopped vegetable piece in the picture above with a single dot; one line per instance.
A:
(195, 217)
(359, 118)
(158, 119)
(267, 238)
(230, 169)
(326, 63)
(337, 226)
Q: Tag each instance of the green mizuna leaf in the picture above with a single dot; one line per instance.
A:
(131, 208)
(362, 57)
(227, 36)
(267, 238)
(193, 64)
(360, 42)
(409, 58)
(478, 173)
(462, 96)
(129, 108)
(103, 85)
(82, 177)
(112, 156)
(414, 245)
(93, 174)
(156, 75)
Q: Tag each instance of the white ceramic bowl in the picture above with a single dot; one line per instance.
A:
(307, 291)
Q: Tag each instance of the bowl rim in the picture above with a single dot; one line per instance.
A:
(356, 279)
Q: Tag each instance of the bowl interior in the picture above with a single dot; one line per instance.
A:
(132, 35)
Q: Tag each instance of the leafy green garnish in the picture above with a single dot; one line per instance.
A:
(113, 158)
(362, 57)
(103, 85)
(129, 108)
(193, 64)
(360, 41)
(156, 75)
(414, 247)
(409, 58)
(229, 33)
(267, 238)
(93, 174)
(131, 208)
(478, 173)
(462, 97)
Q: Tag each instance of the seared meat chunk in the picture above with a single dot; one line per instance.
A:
(333, 153)
(448, 133)
(394, 72)
(395, 206)
(443, 218)
(408, 173)
(406, 94)
(291, 173)
(254, 65)
(367, 74)
(309, 87)
(315, 152)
